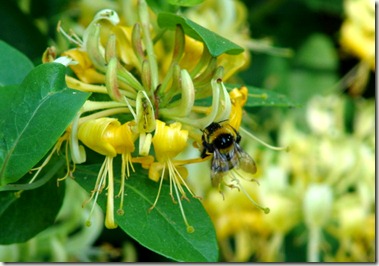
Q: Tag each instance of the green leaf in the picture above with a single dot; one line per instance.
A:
(216, 44)
(161, 230)
(263, 97)
(161, 6)
(25, 214)
(35, 116)
(185, 2)
(14, 66)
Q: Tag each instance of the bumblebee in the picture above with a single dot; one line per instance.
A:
(222, 141)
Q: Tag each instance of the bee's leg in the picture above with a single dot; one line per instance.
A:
(233, 186)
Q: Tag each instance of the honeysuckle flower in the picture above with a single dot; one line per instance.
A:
(325, 182)
(238, 98)
(108, 137)
(84, 68)
(151, 84)
(357, 242)
(357, 38)
(236, 221)
(168, 142)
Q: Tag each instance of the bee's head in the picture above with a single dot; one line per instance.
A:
(213, 127)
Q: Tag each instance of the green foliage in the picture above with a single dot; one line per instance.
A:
(14, 65)
(216, 44)
(185, 2)
(37, 113)
(25, 213)
(37, 107)
(161, 229)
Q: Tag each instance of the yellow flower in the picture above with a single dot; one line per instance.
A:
(358, 30)
(193, 51)
(168, 142)
(108, 137)
(84, 68)
(238, 97)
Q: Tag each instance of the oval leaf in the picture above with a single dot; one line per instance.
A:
(14, 66)
(263, 97)
(216, 44)
(161, 230)
(37, 114)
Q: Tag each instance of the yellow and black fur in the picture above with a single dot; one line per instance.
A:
(222, 141)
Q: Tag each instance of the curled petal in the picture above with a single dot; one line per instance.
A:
(107, 136)
(93, 134)
(169, 141)
(238, 98)
(155, 171)
(84, 68)
(122, 138)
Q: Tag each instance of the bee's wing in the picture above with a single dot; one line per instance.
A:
(220, 165)
(245, 162)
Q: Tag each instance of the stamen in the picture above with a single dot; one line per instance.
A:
(180, 180)
(68, 168)
(171, 183)
(98, 187)
(262, 142)
(190, 229)
(72, 37)
(159, 190)
(126, 162)
(266, 210)
(45, 162)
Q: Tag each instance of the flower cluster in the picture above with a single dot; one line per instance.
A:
(322, 191)
(156, 91)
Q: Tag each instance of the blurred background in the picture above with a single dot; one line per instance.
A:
(321, 55)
